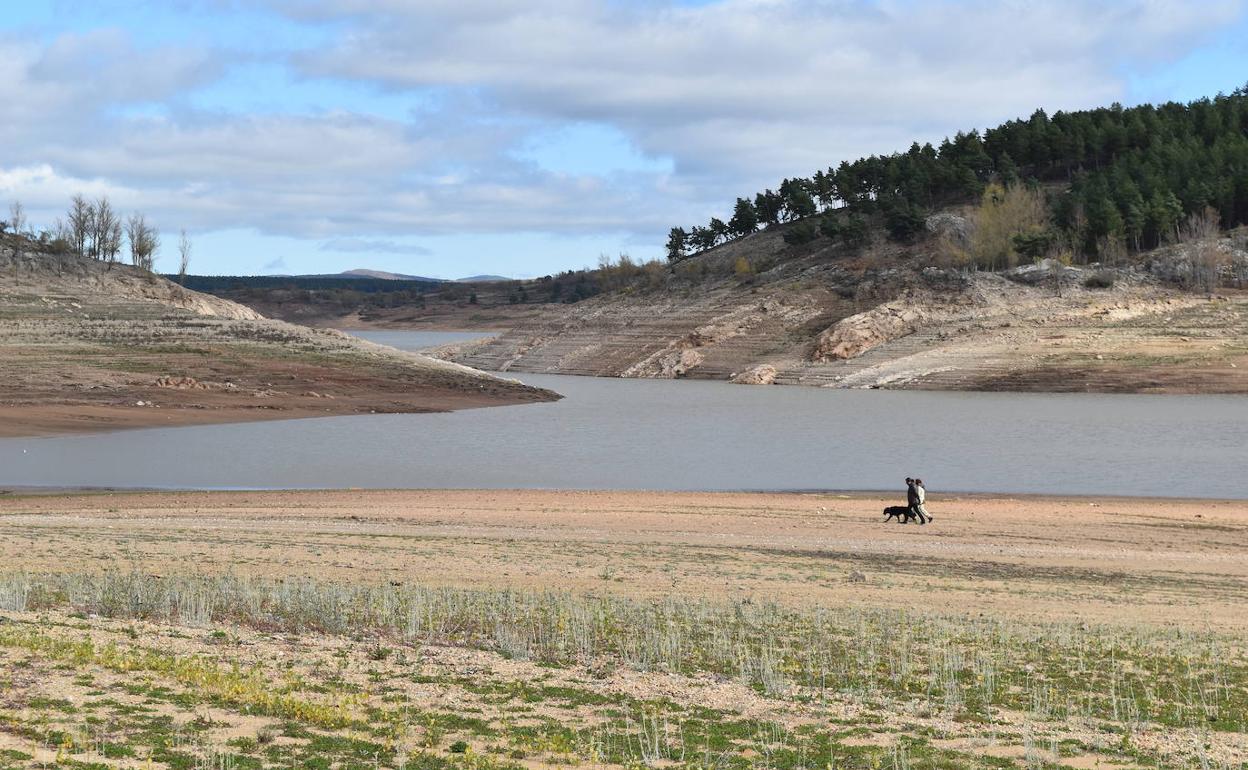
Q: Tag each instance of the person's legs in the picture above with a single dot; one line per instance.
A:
(917, 512)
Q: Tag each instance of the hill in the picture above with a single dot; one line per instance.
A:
(886, 317)
(1072, 252)
(87, 345)
(1104, 182)
(1094, 250)
(363, 273)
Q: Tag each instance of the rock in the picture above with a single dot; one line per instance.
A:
(677, 363)
(668, 364)
(763, 374)
(851, 337)
(180, 383)
(1042, 272)
(950, 226)
(856, 577)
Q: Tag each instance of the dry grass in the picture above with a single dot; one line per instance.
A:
(222, 665)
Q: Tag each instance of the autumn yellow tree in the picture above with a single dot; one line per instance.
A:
(1006, 217)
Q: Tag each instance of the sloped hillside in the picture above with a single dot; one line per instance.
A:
(889, 319)
(88, 346)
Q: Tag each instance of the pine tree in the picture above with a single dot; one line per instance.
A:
(744, 218)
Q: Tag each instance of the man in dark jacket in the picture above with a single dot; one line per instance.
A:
(914, 502)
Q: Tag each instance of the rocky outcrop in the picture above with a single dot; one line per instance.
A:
(1222, 262)
(954, 229)
(1045, 272)
(853, 336)
(667, 365)
(763, 374)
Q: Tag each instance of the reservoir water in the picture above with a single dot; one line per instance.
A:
(658, 434)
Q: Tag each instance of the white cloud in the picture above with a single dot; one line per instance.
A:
(746, 89)
(375, 246)
(732, 95)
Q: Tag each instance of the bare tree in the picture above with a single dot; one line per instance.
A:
(79, 225)
(144, 241)
(105, 231)
(1112, 249)
(1201, 232)
(184, 256)
(17, 217)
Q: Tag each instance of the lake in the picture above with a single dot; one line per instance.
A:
(660, 434)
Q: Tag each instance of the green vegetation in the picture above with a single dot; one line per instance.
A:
(217, 284)
(969, 664)
(1112, 177)
(824, 684)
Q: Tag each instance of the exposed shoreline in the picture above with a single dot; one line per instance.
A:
(49, 420)
(1164, 563)
(15, 491)
(88, 347)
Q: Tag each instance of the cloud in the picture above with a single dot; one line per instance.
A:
(727, 96)
(374, 246)
(276, 264)
(739, 89)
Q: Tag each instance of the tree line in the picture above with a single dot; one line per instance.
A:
(1112, 178)
(96, 230)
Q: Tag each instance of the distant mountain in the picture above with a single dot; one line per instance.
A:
(360, 272)
(363, 273)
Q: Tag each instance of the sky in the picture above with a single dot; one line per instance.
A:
(448, 138)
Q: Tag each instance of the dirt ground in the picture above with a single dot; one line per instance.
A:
(88, 346)
(1028, 632)
(1171, 563)
(232, 388)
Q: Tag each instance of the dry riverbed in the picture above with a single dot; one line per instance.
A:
(535, 629)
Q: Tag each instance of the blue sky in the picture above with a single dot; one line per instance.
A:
(457, 137)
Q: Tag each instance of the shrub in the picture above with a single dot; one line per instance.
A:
(855, 232)
(904, 222)
(1003, 214)
(1101, 280)
(803, 232)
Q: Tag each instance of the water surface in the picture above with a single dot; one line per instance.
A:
(654, 434)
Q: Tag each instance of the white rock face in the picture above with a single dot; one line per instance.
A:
(763, 374)
(851, 337)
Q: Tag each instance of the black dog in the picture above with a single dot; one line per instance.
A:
(900, 512)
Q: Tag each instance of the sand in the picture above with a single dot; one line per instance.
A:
(1106, 560)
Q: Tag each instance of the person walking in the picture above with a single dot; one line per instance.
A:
(921, 508)
(914, 501)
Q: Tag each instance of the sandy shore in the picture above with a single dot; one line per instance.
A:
(1163, 562)
(64, 417)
